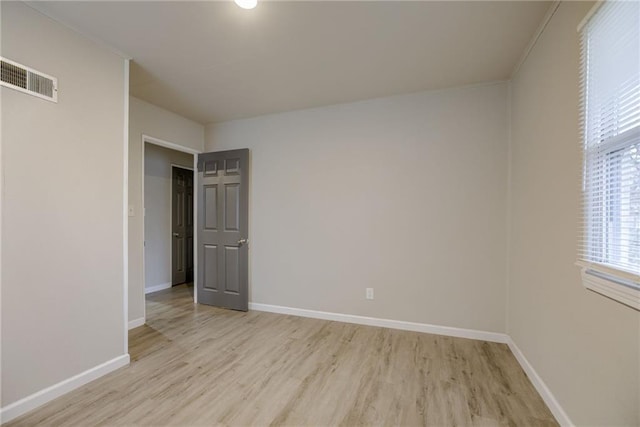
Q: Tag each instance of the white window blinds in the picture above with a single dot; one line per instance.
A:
(611, 139)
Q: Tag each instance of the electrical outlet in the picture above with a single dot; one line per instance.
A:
(369, 293)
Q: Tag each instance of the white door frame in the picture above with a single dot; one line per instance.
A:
(173, 146)
(175, 165)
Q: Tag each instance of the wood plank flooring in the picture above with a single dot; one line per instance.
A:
(203, 366)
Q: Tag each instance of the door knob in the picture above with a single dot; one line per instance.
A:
(242, 241)
(176, 234)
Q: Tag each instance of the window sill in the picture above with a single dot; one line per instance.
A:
(622, 291)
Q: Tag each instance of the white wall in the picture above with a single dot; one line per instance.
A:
(584, 346)
(157, 200)
(405, 194)
(62, 208)
(147, 119)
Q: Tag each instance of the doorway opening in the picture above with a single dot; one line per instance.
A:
(169, 220)
(215, 208)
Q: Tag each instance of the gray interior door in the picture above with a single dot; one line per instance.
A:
(181, 226)
(223, 202)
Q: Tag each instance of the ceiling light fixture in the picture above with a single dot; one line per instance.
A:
(246, 4)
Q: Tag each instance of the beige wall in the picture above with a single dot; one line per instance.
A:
(405, 194)
(584, 346)
(158, 172)
(62, 208)
(147, 119)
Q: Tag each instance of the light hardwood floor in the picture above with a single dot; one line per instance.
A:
(198, 365)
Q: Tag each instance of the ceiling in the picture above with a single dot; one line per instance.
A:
(212, 61)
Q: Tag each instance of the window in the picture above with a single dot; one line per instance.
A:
(610, 248)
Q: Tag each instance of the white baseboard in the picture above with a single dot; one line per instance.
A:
(548, 397)
(384, 323)
(35, 400)
(157, 288)
(136, 322)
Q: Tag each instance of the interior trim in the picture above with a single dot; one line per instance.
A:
(384, 323)
(136, 323)
(548, 397)
(46, 395)
(532, 43)
(620, 290)
(157, 288)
